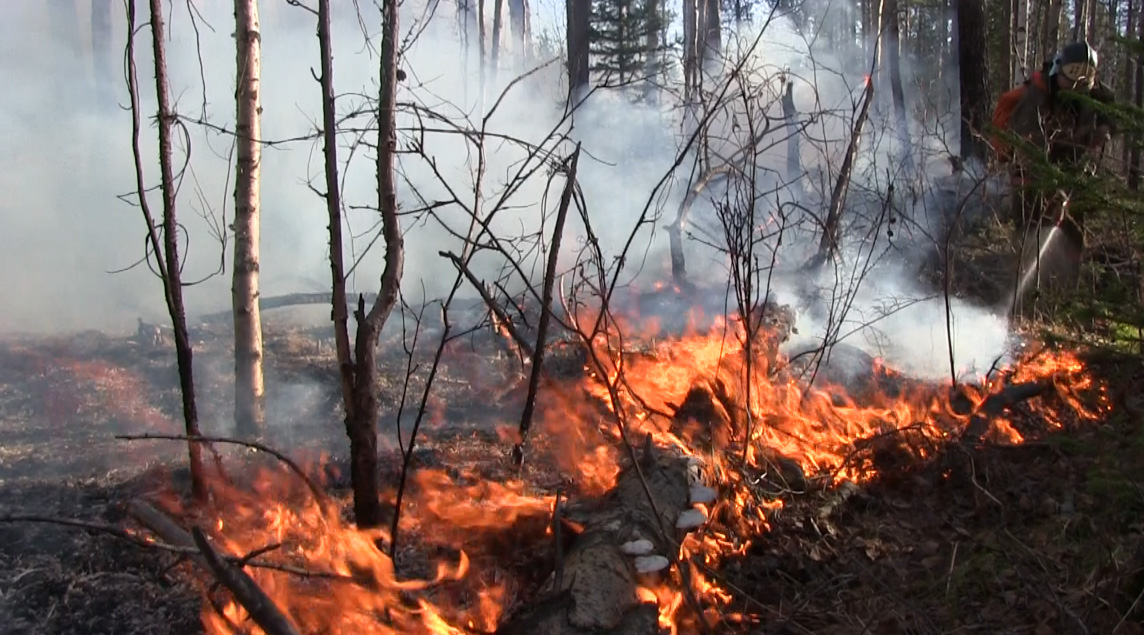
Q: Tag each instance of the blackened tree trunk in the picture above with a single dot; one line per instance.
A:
(578, 29)
(358, 369)
(361, 419)
(249, 388)
(972, 76)
(168, 265)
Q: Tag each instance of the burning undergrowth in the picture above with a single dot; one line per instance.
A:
(483, 544)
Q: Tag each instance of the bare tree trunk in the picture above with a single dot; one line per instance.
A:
(690, 47)
(712, 45)
(498, 10)
(102, 58)
(1128, 76)
(1051, 30)
(1036, 20)
(1138, 100)
(1016, 40)
(1005, 56)
(249, 390)
(334, 210)
(520, 21)
(484, 60)
(361, 427)
(467, 25)
(579, 15)
(893, 60)
(1091, 13)
(168, 264)
(972, 76)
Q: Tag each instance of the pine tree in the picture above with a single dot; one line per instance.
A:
(622, 51)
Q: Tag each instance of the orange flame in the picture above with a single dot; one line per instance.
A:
(819, 430)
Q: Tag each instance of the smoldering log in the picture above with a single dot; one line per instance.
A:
(620, 542)
(997, 403)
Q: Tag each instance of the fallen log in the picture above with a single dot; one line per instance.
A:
(621, 543)
(267, 303)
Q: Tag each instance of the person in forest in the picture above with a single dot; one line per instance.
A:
(1049, 118)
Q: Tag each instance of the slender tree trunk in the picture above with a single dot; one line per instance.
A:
(1079, 19)
(579, 15)
(334, 211)
(712, 46)
(467, 25)
(690, 47)
(1128, 74)
(102, 55)
(972, 76)
(362, 427)
(249, 389)
(1016, 40)
(1033, 45)
(1051, 30)
(484, 60)
(172, 281)
(520, 21)
(1005, 56)
(498, 11)
(1138, 100)
(893, 60)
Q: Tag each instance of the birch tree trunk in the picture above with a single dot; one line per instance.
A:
(249, 389)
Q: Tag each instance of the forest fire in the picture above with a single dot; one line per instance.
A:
(687, 399)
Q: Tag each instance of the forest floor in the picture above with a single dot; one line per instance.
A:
(1040, 538)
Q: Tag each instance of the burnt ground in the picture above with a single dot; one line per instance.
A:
(1041, 539)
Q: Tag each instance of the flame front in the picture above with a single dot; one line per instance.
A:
(355, 588)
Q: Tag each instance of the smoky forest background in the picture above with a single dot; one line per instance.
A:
(561, 316)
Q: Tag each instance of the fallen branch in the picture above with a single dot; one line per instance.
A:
(319, 495)
(496, 309)
(246, 592)
(121, 533)
(997, 403)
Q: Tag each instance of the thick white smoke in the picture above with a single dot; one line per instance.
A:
(62, 227)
